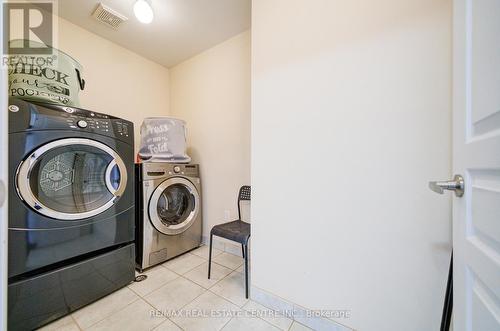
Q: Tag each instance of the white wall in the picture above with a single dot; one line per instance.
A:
(211, 91)
(3, 183)
(350, 120)
(118, 81)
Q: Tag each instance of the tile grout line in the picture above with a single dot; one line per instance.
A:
(207, 278)
(232, 255)
(198, 266)
(206, 258)
(156, 309)
(250, 300)
(141, 295)
(102, 319)
(272, 309)
(164, 266)
(178, 275)
(274, 326)
(74, 321)
(227, 266)
(269, 323)
(232, 270)
(175, 272)
(182, 307)
(181, 276)
(220, 265)
(169, 320)
(222, 328)
(204, 291)
(226, 298)
(208, 289)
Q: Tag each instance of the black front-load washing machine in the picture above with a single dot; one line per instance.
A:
(71, 210)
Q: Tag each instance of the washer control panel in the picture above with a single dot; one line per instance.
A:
(155, 170)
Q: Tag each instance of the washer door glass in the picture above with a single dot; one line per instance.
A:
(71, 179)
(174, 206)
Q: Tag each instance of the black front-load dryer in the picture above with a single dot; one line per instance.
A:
(71, 210)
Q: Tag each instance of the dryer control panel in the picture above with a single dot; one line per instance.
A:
(100, 123)
(26, 116)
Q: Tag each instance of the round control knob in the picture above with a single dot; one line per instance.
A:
(82, 123)
(177, 169)
(14, 108)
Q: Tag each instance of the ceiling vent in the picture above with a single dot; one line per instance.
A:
(108, 16)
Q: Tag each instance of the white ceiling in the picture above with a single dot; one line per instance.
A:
(180, 29)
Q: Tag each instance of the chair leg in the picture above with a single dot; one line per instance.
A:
(242, 250)
(246, 269)
(210, 256)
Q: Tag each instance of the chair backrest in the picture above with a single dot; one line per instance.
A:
(244, 194)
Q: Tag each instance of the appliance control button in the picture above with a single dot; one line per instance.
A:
(14, 108)
(68, 110)
(82, 124)
(177, 169)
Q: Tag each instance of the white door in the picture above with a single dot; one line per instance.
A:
(476, 156)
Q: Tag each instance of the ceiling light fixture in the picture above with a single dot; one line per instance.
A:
(143, 11)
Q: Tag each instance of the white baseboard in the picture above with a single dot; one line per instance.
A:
(294, 311)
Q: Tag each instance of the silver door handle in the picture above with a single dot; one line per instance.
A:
(457, 185)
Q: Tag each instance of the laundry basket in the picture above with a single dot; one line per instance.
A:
(163, 139)
(54, 78)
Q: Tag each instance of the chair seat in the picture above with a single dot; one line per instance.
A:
(238, 231)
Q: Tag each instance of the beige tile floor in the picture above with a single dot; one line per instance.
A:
(178, 296)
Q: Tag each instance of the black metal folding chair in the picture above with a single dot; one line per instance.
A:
(237, 230)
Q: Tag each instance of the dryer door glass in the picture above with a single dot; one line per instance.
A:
(175, 204)
(71, 179)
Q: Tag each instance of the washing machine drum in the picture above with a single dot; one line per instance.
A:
(174, 206)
